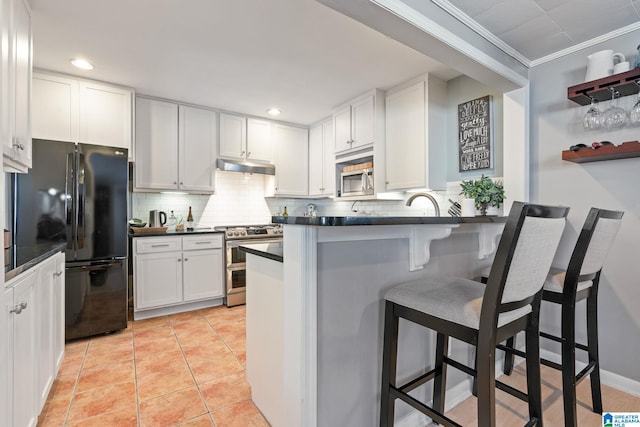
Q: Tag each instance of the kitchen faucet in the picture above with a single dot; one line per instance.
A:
(428, 196)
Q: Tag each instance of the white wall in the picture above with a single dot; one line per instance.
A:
(556, 123)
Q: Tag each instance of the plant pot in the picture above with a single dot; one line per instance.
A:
(483, 209)
(468, 207)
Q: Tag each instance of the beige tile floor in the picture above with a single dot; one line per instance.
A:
(185, 369)
(188, 369)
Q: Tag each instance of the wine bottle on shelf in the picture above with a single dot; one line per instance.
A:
(189, 220)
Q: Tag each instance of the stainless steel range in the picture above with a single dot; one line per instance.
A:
(236, 236)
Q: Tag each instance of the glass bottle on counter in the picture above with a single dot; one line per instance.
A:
(172, 221)
(189, 220)
(285, 212)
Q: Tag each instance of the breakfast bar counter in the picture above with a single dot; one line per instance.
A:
(329, 290)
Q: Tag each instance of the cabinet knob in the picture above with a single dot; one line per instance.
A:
(186, 259)
(57, 274)
(174, 182)
(18, 145)
(181, 183)
(248, 153)
(242, 154)
(17, 309)
(179, 259)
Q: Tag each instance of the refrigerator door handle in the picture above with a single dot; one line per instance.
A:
(80, 209)
(95, 267)
(70, 201)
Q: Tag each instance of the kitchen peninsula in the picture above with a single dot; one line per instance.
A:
(334, 272)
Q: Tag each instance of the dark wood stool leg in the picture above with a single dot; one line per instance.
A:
(592, 342)
(486, 382)
(534, 387)
(440, 379)
(389, 364)
(509, 357)
(569, 363)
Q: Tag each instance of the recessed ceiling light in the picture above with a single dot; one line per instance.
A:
(273, 111)
(83, 64)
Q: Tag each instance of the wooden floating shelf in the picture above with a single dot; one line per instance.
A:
(605, 152)
(624, 83)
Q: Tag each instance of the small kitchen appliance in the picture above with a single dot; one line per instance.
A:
(157, 218)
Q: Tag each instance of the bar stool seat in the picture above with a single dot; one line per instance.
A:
(479, 315)
(555, 281)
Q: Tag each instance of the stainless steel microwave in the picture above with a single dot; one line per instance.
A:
(356, 183)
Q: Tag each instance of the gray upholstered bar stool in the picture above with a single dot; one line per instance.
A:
(578, 282)
(478, 314)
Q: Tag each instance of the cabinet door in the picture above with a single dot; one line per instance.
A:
(363, 122)
(44, 331)
(406, 138)
(105, 115)
(342, 128)
(202, 275)
(233, 136)
(197, 145)
(6, 95)
(329, 164)
(58, 312)
(292, 153)
(6, 356)
(316, 163)
(157, 279)
(22, 83)
(259, 140)
(55, 108)
(24, 351)
(156, 166)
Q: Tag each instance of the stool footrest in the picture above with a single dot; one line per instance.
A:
(510, 350)
(585, 372)
(417, 382)
(459, 366)
(429, 412)
(558, 339)
(512, 391)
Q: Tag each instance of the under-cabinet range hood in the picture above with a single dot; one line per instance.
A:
(247, 167)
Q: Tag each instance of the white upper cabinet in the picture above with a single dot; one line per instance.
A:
(76, 110)
(175, 147)
(322, 164)
(105, 115)
(259, 140)
(233, 136)
(156, 166)
(354, 123)
(244, 138)
(291, 160)
(55, 114)
(415, 139)
(197, 149)
(16, 85)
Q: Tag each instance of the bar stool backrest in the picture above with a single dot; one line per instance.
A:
(523, 258)
(593, 245)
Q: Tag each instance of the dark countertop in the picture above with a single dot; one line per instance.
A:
(176, 233)
(29, 256)
(266, 250)
(384, 220)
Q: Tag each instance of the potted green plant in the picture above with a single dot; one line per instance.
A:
(484, 191)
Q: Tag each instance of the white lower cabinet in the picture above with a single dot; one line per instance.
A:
(22, 321)
(32, 337)
(179, 273)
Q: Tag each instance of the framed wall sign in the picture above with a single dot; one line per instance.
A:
(475, 136)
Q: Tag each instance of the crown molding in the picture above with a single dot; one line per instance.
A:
(586, 44)
(482, 31)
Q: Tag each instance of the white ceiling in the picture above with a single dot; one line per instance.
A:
(298, 55)
(537, 28)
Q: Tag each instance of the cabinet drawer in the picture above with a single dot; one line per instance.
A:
(145, 245)
(203, 241)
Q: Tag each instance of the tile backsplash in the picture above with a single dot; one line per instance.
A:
(239, 200)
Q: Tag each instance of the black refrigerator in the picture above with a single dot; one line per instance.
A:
(78, 193)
